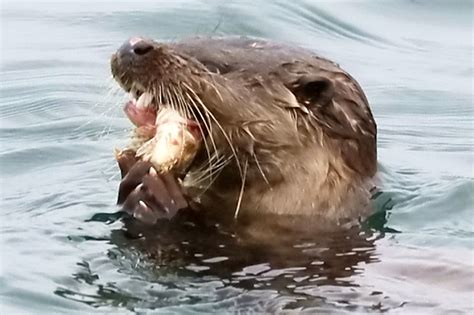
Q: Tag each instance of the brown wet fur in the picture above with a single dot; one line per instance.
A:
(296, 129)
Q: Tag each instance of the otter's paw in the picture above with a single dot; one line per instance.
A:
(149, 196)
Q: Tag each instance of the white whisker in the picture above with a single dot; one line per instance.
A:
(241, 194)
(234, 152)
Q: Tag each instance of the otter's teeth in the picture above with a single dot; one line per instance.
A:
(132, 98)
(133, 93)
(144, 100)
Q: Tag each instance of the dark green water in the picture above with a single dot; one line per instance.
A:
(61, 118)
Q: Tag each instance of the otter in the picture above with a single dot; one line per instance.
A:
(286, 133)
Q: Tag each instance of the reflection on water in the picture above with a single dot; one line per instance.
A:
(63, 250)
(197, 265)
(183, 257)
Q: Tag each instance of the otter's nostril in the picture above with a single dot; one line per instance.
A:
(142, 47)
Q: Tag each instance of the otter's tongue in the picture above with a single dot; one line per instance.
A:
(141, 113)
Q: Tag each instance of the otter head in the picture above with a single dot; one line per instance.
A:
(273, 130)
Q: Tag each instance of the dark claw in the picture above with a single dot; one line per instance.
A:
(145, 213)
(132, 179)
(146, 195)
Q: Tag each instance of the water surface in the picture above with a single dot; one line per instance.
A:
(61, 118)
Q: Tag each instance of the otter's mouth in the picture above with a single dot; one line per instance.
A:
(163, 135)
(142, 109)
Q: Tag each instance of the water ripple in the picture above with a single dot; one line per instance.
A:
(65, 250)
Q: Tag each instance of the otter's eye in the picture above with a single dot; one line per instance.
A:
(141, 48)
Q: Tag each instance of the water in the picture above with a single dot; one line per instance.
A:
(61, 118)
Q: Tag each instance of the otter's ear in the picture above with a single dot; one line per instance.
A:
(312, 90)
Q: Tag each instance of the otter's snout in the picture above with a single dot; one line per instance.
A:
(130, 61)
(135, 47)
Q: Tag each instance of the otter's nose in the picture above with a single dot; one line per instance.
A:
(136, 46)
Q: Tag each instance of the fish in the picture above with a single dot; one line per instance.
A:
(174, 144)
